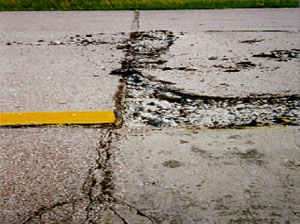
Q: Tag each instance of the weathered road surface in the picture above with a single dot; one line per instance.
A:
(185, 72)
(47, 173)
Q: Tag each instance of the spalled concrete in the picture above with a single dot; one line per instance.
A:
(217, 35)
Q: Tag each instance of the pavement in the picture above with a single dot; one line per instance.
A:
(213, 176)
(38, 54)
(160, 163)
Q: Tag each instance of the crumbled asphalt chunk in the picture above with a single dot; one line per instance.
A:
(172, 163)
(251, 41)
(85, 40)
(232, 70)
(237, 67)
(178, 68)
(155, 122)
(245, 64)
(280, 55)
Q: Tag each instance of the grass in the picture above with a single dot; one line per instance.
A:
(43, 5)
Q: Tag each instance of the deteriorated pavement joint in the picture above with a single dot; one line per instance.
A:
(62, 117)
(154, 102)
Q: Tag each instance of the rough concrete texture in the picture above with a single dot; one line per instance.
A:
(41, 64)
(43, 169)
(223, 64)
(213, 176)
(202, 38)
(229, 19)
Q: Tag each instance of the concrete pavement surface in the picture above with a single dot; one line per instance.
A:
(230, 68)
(211, 45)
(48, 59)
(213, 176)
(42, 168)
(169, 76)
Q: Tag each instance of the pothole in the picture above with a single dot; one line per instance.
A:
(157, 103)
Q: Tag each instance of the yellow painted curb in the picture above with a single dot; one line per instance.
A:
(63, 117)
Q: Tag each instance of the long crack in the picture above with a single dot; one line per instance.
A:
(99, 184)
(101, 192)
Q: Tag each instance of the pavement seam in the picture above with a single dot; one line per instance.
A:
(104, 196)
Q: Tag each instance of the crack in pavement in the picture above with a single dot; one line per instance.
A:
(97, 189)
(142, 99)
(43, 209)
(98, 185)
(118, 215)
(138, 212)
(101, 192)
(153, 102)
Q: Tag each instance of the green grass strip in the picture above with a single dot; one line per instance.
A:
(45, 5)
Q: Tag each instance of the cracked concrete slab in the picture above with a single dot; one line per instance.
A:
(43, 169)
(193, 175)
(54, 61)
(213, 176)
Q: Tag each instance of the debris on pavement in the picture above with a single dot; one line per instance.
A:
(280, 55)
(146, 98)
(251, 41)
